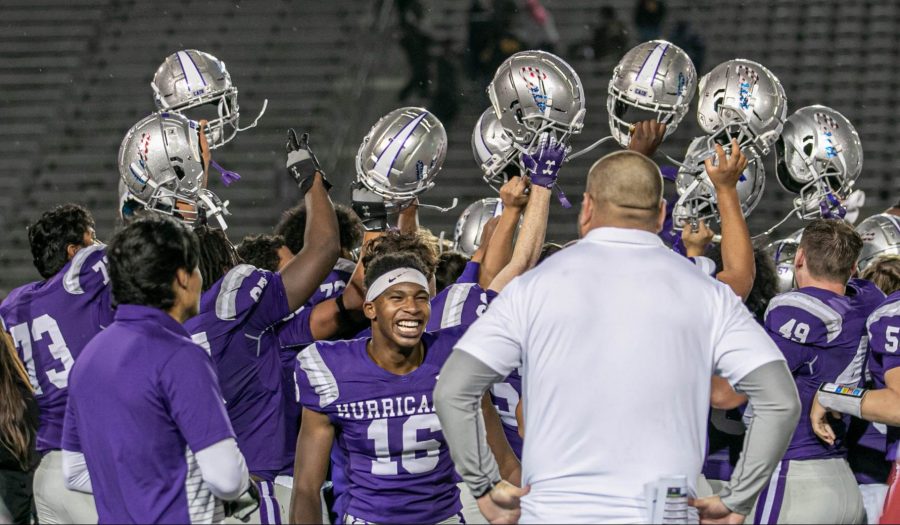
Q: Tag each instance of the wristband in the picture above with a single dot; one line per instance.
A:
(489, 487)
(342, 310)
(308, 182)
(843, 399)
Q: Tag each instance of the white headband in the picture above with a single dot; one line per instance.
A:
(400, 275)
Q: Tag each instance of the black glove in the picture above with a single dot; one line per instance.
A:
(245, 505)
(302, 164)
(370, 207)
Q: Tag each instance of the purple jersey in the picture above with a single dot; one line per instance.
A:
(50, 322)
(334, 283)
(398, 465)
(235, 325)
(459, 304)
(823, 338)
(469, 273)
(506, 396)
(884, 341)
(143, 399)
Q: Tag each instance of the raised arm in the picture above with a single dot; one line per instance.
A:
(311, 466)
(543, 169)
(499, 246)
(739, 268)
(309, 267)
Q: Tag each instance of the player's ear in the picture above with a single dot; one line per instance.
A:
(369, 310)
(182, 278)
(661, 219)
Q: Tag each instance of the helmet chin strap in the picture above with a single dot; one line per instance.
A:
(589, 148)
(438, 208)
(256, 120)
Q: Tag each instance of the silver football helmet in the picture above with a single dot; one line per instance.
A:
(697, 195)
(467, 236)
(743, 100)
(654, 80)
(402, 153)
(188, 80)
(783, 253)
(819, 157)
(881, 236)
(161, 165)
(493, 149)
(536, 91)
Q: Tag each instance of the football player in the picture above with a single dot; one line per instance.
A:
(145, 427)
(50, 322)
(820, 329)
(374, 396)
(293, 226)
(240, 306)
(267, 252)
(880, 401)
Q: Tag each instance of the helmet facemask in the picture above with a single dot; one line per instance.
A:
(625, 111)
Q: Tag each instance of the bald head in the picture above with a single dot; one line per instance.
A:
(626, 190)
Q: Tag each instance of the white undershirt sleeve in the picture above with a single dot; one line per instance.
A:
(75, 472)
(223, 468)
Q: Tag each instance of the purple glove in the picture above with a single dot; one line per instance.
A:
(830, 207)
(543, 164)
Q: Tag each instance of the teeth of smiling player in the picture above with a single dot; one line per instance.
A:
(409, 324)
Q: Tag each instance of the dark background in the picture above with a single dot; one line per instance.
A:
(75, 75)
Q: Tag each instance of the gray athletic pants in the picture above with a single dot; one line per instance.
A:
(54, 502)
(810, 491)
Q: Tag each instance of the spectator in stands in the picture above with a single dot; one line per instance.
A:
(648, 18)
(481, 42)
(541, 17)
(416, 43)
(607, 40)
(690, 41)
(445, 101)
(18, 429)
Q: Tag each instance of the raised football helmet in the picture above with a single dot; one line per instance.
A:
(536, 91)
(654, 80)
(783, 253)
(819, 157)
(402, 153)
(881, 236)
(493, 150)
(697, 195)
(190, 79)
(743, 100)
(161, 164)
(467, 235)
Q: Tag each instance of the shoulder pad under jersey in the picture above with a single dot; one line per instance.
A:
(87, 270)
(800, 317)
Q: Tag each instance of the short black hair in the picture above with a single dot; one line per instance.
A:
(292, 227)
(450, 266)
(144, 259)
(395, 242)
(383, 264)
(261, 251)
(53, 232)
(548, 249)
(765, 284)
(217, 254)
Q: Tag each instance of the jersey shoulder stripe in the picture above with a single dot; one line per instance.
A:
(832, 320)
(454, 304)
(226, 301)
(886, 310)
(72, 278)
(320, 377)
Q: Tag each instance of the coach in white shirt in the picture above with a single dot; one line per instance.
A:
(617, 338)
